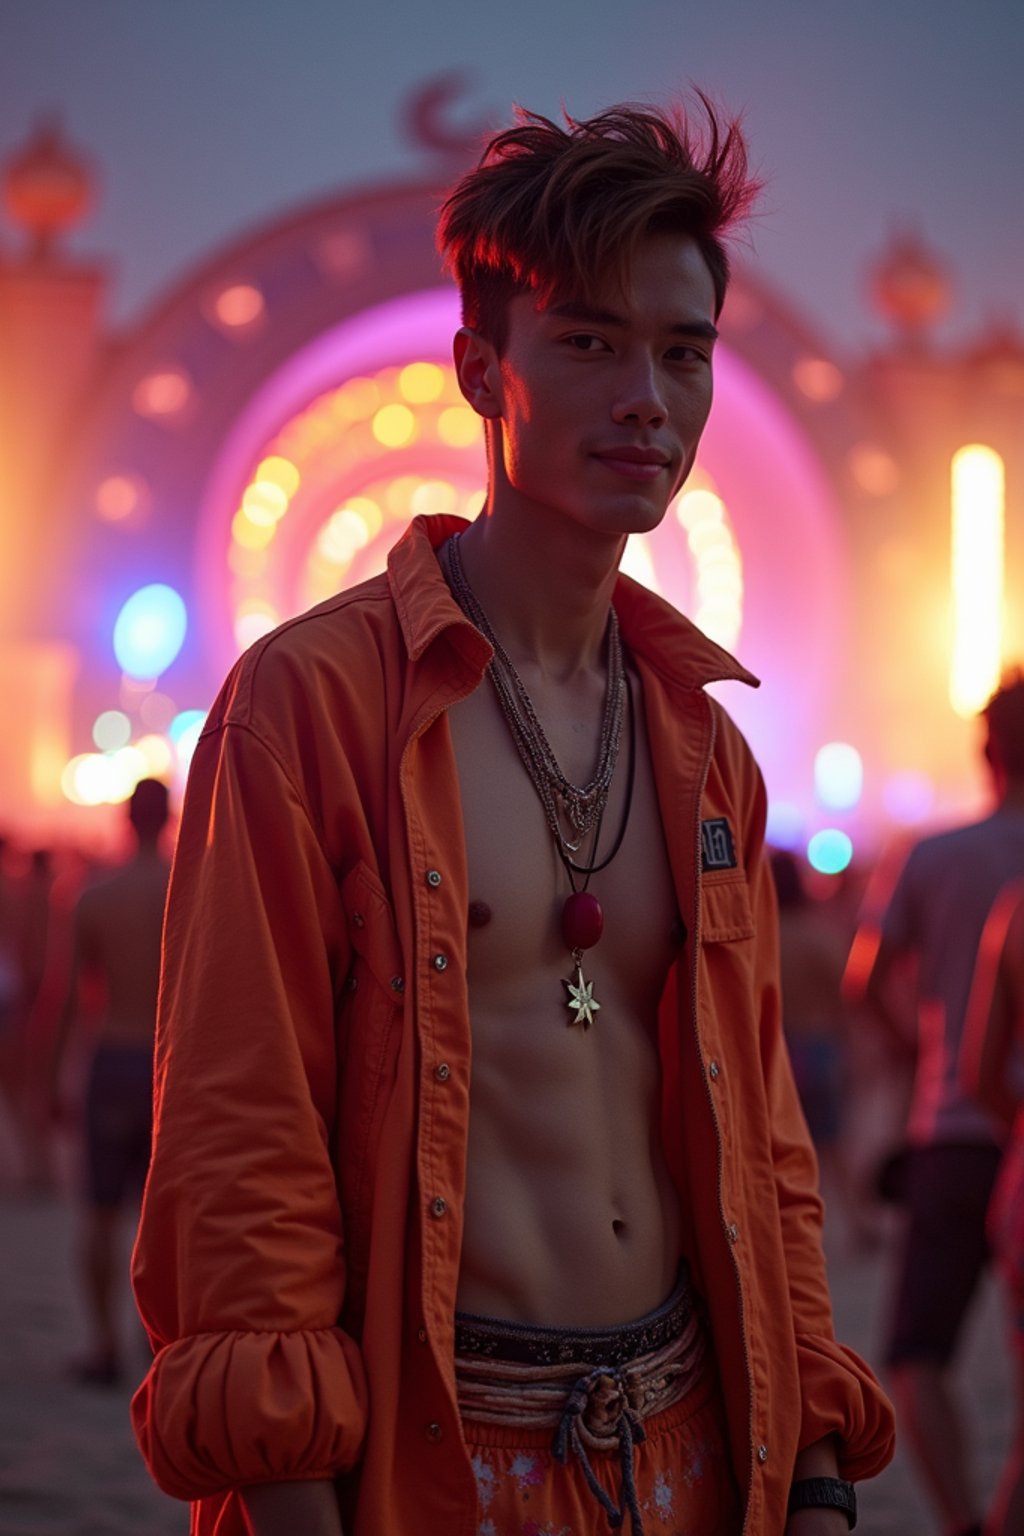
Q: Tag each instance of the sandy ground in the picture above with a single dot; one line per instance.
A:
(68, 1464)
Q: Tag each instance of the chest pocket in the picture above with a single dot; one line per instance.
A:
(725, 912)
(369, 1036)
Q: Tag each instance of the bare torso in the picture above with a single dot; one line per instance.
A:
(570, 1217)
(120, 921)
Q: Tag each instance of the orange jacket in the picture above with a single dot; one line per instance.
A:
(298, 1254)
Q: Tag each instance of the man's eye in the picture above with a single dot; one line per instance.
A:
(583, 341)
(686, 355)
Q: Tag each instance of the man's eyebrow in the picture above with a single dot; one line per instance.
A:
(594, 314)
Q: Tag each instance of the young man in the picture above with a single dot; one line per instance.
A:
(935, 919)
(481, 1201)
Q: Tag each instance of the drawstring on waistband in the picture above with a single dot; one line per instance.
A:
(627, 1426)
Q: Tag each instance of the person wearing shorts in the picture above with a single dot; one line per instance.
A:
(115, 947)
(118, 1123)
(935, 918)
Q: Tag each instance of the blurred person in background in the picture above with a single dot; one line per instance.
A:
(990, 1070)
(934, 921)
(812, 958)
(116, 934)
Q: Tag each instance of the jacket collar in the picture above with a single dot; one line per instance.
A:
(651, 628)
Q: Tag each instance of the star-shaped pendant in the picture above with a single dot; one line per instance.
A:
(581, 997)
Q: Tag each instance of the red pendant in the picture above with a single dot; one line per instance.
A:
(582, 920)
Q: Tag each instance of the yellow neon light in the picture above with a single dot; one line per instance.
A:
(978, 504)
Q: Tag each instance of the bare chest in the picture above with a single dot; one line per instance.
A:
(518, 884)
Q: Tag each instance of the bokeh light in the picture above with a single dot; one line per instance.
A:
(978, 497)
(830, 851)
(838, 775)
(238, 306)
(162, 394)
(150, 631)
(111, 729)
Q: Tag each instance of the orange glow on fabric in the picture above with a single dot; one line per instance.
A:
(978, 502)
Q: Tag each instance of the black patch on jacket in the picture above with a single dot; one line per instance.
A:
(717, 847)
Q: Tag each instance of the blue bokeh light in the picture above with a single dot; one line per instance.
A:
(829, 851)
(186, 721)
(150, 631)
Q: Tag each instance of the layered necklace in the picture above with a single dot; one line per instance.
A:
(572, 813)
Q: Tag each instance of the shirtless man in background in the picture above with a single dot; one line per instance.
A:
(481, 1201)
(116, 946)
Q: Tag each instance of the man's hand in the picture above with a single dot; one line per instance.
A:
(817, 1522)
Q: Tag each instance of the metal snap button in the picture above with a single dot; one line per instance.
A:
(358, 920)
(762, 1453)
(440, 962)
(732, 1232)
(442, 1071)
(434, 877)
(434, 1432)
(397, 984)
(713, 1070)
(438, 1206)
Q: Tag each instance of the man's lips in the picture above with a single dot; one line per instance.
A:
(634, 463)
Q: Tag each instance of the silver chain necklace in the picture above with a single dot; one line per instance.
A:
(583, 806)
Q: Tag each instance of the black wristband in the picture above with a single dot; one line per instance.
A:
(824, 1493)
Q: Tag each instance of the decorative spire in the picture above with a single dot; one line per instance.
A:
(48, 187)
(910, 285)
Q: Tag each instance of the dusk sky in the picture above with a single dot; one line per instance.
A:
(207, 117)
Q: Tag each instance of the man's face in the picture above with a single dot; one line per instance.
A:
(601, 405)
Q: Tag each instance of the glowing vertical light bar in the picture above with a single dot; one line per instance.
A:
(978, 497)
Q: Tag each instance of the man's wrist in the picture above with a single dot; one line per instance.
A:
(832, 1494)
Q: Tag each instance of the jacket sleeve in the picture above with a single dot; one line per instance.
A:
(238, 1267)
(840, 1394)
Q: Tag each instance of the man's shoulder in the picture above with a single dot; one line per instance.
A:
(327, 652)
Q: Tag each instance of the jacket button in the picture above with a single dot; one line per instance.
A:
(421, 1334)
(434, 878)
(434, 1433)
(438, 1206)
(762, 1454)
(713, 1070)
(397, 984)
(442, 1071)
(440, 962)
(732, 1232)
(358, 920)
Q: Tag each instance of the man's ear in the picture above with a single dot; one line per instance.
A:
(478, 373)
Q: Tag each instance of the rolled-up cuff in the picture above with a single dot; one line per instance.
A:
(842, 1397)
(221, 1410)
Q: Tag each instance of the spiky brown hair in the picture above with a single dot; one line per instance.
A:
(557, 210)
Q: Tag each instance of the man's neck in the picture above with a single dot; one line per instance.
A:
(546, 587)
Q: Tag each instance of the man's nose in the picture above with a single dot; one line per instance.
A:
(640, 398)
